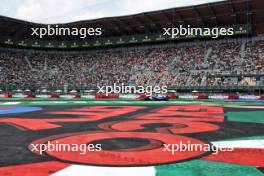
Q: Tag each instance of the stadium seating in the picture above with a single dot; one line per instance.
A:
(215, 63)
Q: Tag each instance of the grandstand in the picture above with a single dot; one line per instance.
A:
(224, 63)
(186, 63)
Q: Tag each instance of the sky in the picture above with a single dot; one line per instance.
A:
(63, 11)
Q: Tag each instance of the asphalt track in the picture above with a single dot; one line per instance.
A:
(132, 136)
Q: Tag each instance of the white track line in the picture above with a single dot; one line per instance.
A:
(81, 170)
(259, 144)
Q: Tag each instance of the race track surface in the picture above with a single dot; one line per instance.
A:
(135, 139)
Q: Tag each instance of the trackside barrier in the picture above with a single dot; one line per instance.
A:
(7, 95)
(191, 97)
(106, 96)
(31, 96)
(249, 97)
(43, 96)
(71, 96)
(233, 97)
(194, 97)
(202, 97)
(171, 96)
(128, 96)
(88, 96)
(218, 97)
(53, 95)
(20, 95)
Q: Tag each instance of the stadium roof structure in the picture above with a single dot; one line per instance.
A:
(223, 13)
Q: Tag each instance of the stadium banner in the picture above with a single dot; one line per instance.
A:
(88, 96)
(70, 96)
(128, 96)
(19, 95)
(218, 97)
(249, 97)
(53, 95)
(111, 41)
(42, 96)
(188, 96)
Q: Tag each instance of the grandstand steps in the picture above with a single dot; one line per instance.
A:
(176, 77)
(208, 54)
(188, 82)
(203, 82)
(135, 72)
(29, 63)
(92, 68)
(242, 52)
(45, 64)
(172, 65)
(261, 81)
(162, 77)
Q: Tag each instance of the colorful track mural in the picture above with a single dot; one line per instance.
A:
(133, 136)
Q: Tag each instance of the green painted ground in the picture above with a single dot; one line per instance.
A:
(246, 116)
(206, 168)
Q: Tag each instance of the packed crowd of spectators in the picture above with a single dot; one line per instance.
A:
(190, 64)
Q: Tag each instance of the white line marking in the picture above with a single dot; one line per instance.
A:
(11, 103)
(81, 170)
(259, 144)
